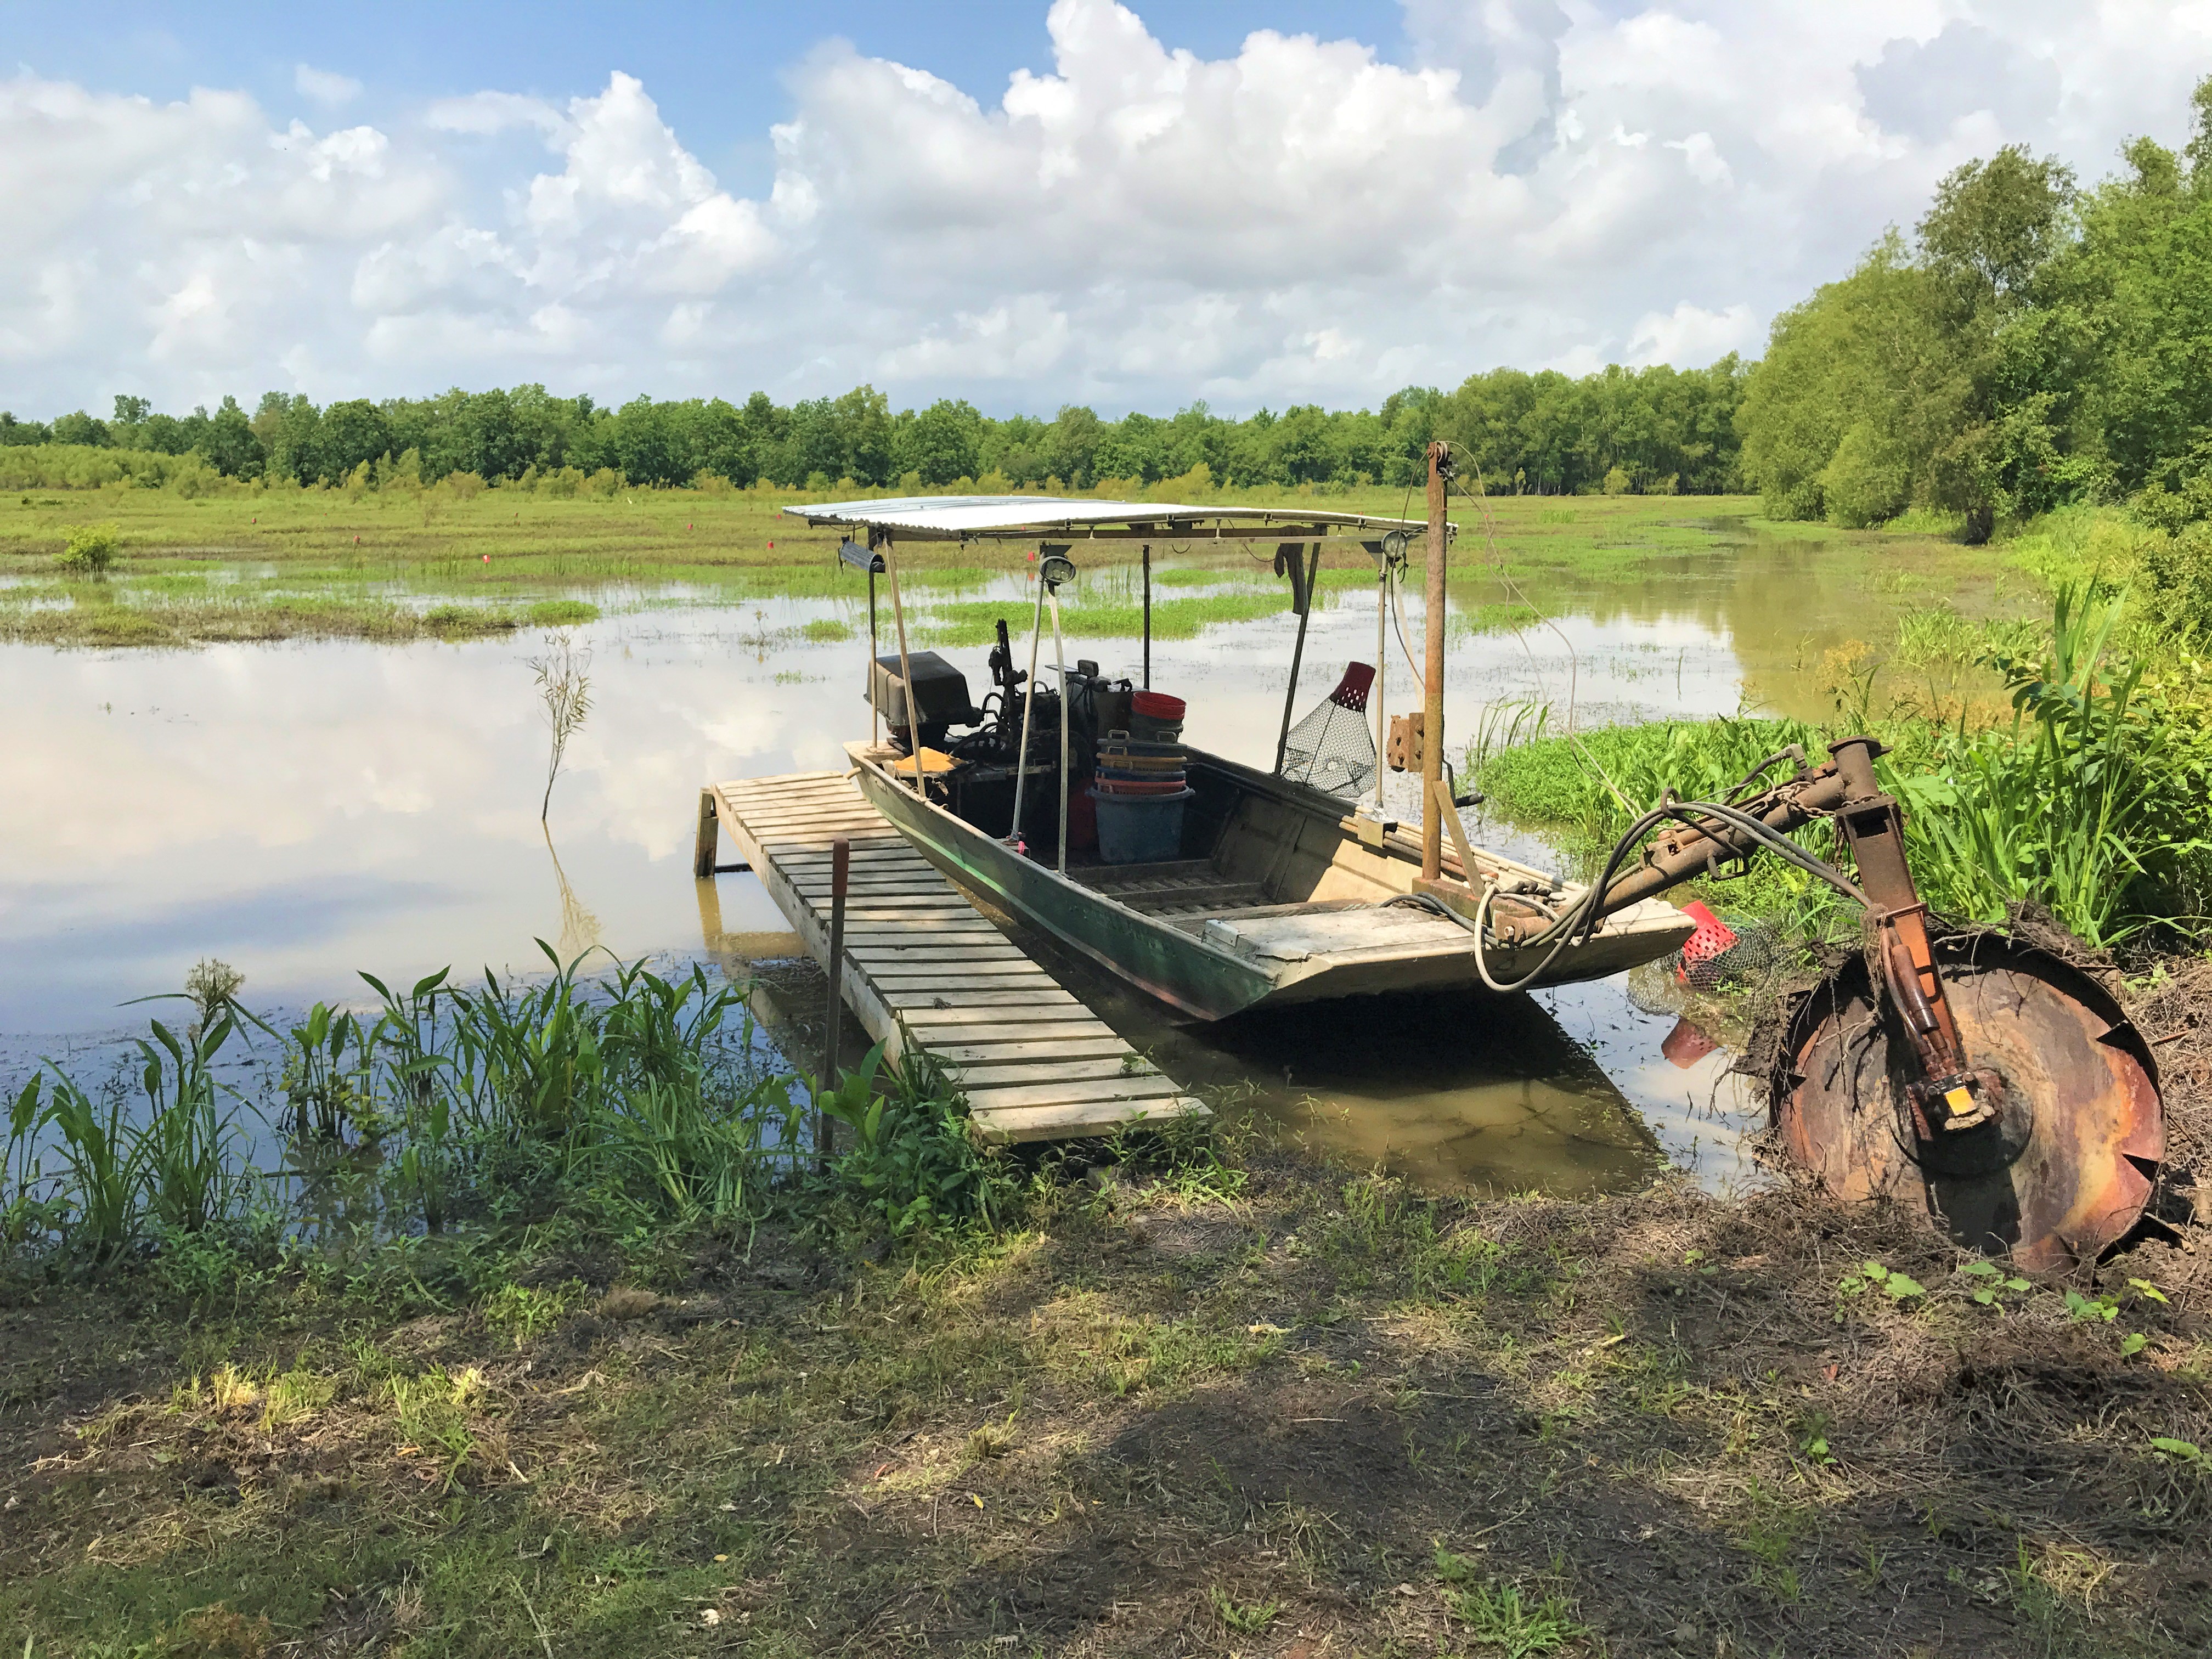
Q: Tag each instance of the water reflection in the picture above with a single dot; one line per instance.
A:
(302, 811)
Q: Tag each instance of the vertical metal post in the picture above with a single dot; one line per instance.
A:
(1029, 708)
(1432, 718)
(906, 671)
(1060, 662)
(875, 714)
(1298, 655)
(1148, 615)
(841, 866)
(1381, 679)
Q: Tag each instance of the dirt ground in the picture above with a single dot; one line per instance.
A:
(1277, 1408)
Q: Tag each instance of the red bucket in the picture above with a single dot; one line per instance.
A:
(1157, 704)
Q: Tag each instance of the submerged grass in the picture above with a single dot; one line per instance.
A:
(280, 562)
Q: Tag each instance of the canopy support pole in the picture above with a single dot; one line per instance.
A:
(1148, 615)
(906, 670)
(1060, 663)
(1432, 716)
(1381, 679)
(1298, 655)
(1029, 707)
(875, 714)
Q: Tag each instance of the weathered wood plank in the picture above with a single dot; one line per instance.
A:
(1073, 1091)
(880, 959)
(905, 1001)
(985, 1075)
(1016, 1125)
(1010, 965)
(1040, 1021)
(1069, 1047)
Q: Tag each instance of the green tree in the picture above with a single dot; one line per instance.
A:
(79, 427)
(943, 443)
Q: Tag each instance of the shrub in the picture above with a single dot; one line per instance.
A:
(2180, 566)
(87, 549)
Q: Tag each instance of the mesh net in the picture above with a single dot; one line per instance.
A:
(1331, 748)
(1757, 955)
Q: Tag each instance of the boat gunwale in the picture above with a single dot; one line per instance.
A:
(1292, 972)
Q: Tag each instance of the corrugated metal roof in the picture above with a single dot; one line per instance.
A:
(943, 517)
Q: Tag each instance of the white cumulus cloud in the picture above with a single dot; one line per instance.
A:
(1539, 182)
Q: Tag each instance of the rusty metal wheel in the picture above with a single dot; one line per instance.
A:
(2064, 1168)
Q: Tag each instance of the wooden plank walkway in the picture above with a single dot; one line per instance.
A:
(924, 969)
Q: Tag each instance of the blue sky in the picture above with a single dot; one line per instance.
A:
(1025, 203)
(716, 71)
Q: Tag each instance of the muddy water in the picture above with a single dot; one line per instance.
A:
(301, 811)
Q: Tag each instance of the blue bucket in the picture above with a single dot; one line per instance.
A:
(1140, 829)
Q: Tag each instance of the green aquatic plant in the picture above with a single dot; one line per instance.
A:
(2091, 801)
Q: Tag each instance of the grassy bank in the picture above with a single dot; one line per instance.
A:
(552, 1331)
(1215, 1405)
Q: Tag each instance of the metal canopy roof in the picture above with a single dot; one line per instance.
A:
(964, 517)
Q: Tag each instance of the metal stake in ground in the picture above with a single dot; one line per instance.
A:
(841, 866)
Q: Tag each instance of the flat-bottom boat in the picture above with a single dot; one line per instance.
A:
(1275, 890)
(1276, 898)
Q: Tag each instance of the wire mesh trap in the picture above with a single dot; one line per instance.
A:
(1331, 748)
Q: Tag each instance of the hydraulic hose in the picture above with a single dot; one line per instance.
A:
(1586, 913)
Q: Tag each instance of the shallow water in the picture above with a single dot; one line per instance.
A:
(304, 809)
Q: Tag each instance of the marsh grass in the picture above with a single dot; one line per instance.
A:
(2092, 800)
(2089, 795)
(272, 563)
(643, 1092)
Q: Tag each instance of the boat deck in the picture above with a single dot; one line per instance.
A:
(925, 969)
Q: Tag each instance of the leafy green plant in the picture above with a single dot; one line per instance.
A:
(28, 1213)
(911, 1161)
(1872, 1275)
(1501, 1617)
(2091, 1308)
(325, 1082)
(185, 1150)
(522, 1311)
(1245, 1618)
(1990, 1283)
(2083, 803)
(87, 550)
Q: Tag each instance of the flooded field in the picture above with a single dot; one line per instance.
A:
(305, 809)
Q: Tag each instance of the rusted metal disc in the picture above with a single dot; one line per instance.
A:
(2065, 1169)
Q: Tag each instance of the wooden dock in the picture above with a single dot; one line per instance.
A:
(925, 969)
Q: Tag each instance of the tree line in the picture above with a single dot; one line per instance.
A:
(1655, 430)
(2032, 344)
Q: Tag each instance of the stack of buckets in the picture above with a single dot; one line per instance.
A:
(1138, 786)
